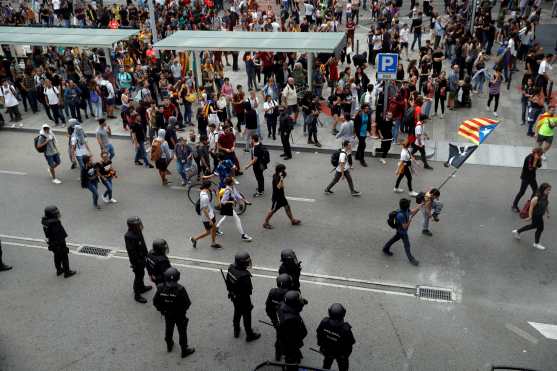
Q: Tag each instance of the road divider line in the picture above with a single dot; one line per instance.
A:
(523, 334)
(301, 199)
(10, 172)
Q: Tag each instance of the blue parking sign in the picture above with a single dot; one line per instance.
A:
(386, 66)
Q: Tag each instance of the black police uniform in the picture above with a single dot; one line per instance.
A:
(56, 240)
(291, 331)
(335, 340)
(172, 301)
(285, 127)
(3, 267)
(293, 269)
(240, 289)
(272, 305)
(156, 265)
(137, 252)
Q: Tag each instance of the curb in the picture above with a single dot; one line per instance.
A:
(294, 147)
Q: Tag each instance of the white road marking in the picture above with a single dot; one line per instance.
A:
(547, 330)
(180, 188)
(523, 334)
(9, 172)
(301, 199)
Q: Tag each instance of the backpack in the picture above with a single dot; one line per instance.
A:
(36, 141)
(156, 150)
(104, 91)
(420, 198)
(391, 219)
(265, 156)
(408, 121)
(198, 207)
(94, 97)
(335, 157)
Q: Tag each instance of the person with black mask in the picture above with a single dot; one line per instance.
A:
(291, 328)
(56, 239)
(157, 262)
(279, 198)
(291, 266)
(172, 301)
(335, 338)
(3, 267)
(239, 286)
(137, 253)
(272, 305)
(286, 123)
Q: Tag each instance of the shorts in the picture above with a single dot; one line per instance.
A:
(208, 226)
(161, 164)
(542, 138)
(110, 102)
(53, 160)
(292, 109)
(278, 204)
(403, 45)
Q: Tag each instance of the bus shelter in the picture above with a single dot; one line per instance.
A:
(64, 37)
(299, 42)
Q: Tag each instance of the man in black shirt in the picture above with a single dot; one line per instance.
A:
(417, 28)
(138, 139)
(279, 198)
(286, 123)
(532, 162)
(259, 156)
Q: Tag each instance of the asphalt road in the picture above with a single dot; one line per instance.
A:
(92, 322)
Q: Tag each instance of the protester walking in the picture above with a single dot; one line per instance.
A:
(161, 155)
(279, 198)
(106, 174)
(404, 169)
(531, 164)
(46, 143)
(103, 134)
(207, 214)
(401, 220)
(539, 207)
(342, 170)
(90, 179)
(227, 202)
(260, 158)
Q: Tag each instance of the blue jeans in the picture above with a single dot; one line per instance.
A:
(418, 38)
(183, 169)
(93, 187)
(187, 113)
(108, 184)
(405, 242)
(396, 128)
(80, 162)
(141, 154)
(110, 149)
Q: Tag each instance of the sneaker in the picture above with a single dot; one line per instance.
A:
(56, 181)
(246, 238)
(414, 262)
(495, 114)
(382, 160)
(442, 115)
(105, 200)
(216, 246)
(188, 351)
(412, 193)
(219, 232)
(253, 336)
(328, 192)
(356, 194)
(258, 194)
(193, 242)
(427, 232)
(113, 201)
(236, 182)
(538, 246)
(267, 226)
(516, 234)
(398, 190)
(387, 252)
(544, 158)
(68, 274)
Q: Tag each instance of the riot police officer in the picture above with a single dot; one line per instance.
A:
(272, 305)
(238, 283)
(291, 266)
(56, 239)
(335, 338)
(291, 328)
(172, 301)
(137, 252)
(157, 262)
(3, 267)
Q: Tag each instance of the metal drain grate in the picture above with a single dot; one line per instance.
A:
(93, 250)
(434, 293)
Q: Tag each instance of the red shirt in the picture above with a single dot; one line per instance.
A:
(226, 140)
(169, 110)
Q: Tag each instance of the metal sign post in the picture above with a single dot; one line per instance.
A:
(387, 64)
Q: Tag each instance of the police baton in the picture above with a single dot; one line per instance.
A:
(316, 350)
(266, 323)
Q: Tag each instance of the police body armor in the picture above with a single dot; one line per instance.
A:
(172, 300)
(335, 337)
(156, 266)
(274, 300)
(238, 283)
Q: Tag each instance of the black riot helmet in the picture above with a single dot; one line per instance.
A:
(242, 260)
(284, 281)
(160, 246)
(293, 299)
(172, 275)
(51, 212)
(135, 223)
(288, 256)
(337, 311)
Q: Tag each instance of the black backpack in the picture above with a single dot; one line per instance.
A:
(408, 121)
(198, 207)
(420, 198)
(391, 219)
(265, 156)
(36, 141)
(104, 91)
(335, 157)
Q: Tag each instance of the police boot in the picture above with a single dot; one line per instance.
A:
(236, 332)
(278, 356)
(187, 351)
(140, 299)
(169, 346)
(252, 336)
(4, 267)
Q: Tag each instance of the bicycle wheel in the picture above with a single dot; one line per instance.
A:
(240, 207)
(193, 192)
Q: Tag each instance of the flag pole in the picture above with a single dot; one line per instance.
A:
(447, 179)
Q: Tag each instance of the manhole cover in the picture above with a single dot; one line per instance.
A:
(93, 250)
(434, 293)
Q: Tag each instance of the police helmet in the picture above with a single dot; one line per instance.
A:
(284, 281)
(288, 255)
(242, 260)
(293, 298)
(337, 311)
(160, 246)
(134, 221)
(172, 275)
(51, 211)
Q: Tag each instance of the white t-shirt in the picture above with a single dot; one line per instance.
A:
(269, 107)
(55, 4)
(109, 87)
(10, 99)
(52, 95)
(405, 155)
(403, 35)
(343, 161)
(309, 9)
(205, 203)
(80, 150)
(419, 131)
(544, 67)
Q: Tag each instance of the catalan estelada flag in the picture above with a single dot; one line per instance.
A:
(477, 129)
